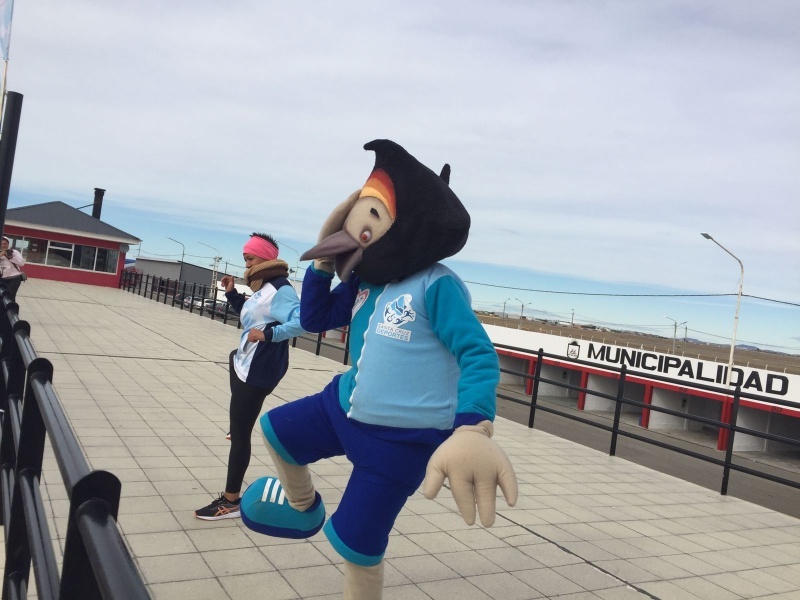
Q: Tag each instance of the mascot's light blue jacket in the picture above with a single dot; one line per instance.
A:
(421, 359)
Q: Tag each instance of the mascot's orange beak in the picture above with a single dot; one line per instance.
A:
(345, 250)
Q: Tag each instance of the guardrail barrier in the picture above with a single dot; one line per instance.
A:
(97, 564)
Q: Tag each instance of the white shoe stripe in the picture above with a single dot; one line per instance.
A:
(267, 486)
(281, 497)
(276, 489)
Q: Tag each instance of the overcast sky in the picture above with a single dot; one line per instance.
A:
(587, 138)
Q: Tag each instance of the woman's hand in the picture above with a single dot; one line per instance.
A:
(227, 283)
(256, 335)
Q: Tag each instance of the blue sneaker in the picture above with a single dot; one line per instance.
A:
(265, 509)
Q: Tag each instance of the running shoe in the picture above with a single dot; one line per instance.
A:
(221, 508)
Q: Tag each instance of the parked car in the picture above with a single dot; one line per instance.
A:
(224, 308)
(210, 305)
(197, 301)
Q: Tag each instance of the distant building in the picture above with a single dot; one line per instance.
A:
(61, 243)
(178, 273)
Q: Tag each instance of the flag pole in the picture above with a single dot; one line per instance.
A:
(3, 95)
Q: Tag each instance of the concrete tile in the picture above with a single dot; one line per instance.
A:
(237, 561)
(198, 589)
(587, 576)
(451, 589)
(434, 543)
(705, 588)
(548, 582)
(313, 581)
(175, 567)
(511, 559)
(148, 523)
(469, 563)
(219, 536)
(420, 569)
(503, 585)
(294, 556)
(550, 555)
(165, 543)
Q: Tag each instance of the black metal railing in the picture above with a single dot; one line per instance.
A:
(616, 430)
(97, 564)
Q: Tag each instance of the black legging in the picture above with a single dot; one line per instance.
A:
(246, 403)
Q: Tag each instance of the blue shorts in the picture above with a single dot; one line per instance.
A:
(385, 471)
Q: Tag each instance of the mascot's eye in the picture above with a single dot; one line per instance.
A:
(366, 236)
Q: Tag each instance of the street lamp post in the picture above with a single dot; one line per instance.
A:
(504, 309)
(738, 304)
(217, 259)
(183, 253)
(521, 311)
(675, 331)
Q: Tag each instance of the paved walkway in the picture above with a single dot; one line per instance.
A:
(146, 389)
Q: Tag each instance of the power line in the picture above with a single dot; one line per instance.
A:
(610, 295)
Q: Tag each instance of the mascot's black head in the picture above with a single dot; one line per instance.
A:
(430, 223)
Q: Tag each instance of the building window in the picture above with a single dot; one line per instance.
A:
(106, 260)
(63, 254)
(36, 251)
(83, 257)
(59, 254)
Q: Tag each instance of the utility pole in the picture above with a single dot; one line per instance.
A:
(675, 331)
(217, 260)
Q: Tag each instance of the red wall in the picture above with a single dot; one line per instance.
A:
(37, 271)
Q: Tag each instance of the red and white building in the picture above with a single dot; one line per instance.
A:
(776, 411)
(61, 243)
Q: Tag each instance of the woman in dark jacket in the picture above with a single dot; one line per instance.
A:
(270, 317)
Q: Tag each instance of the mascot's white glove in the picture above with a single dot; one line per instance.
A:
(475, 466)
(333, 224)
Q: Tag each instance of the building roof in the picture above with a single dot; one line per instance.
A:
(60, 217)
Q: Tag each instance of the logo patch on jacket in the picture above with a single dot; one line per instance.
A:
(360, 299)
(397, 313)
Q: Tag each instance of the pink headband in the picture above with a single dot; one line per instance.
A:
(260, 247)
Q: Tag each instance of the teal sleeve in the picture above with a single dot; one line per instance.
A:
(286, 309)
(455, 324)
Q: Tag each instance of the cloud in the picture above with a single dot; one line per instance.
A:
(591, 139)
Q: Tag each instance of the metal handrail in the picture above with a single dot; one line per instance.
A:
(97, 564)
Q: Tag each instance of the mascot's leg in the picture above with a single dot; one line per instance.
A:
(363, 583)
(284, 506)
(288, 505)
(296, 481)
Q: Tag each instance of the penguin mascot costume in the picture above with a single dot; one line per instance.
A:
(419, 400)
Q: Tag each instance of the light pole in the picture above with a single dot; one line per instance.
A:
(217, 258)
(572, 320)
(504, 309)
(521, 310)
(675, 331)
(297, 264)
(738, 303)
(183, 253)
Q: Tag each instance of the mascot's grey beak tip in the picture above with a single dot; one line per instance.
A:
(340, 246)
(333, 245)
